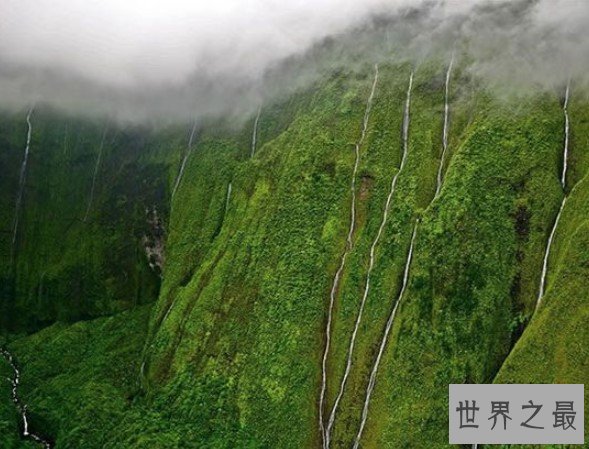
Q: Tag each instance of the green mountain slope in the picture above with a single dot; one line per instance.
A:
(77, 252)
(227, 354)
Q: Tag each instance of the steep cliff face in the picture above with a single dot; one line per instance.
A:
(71, 250)
(556, 338)
(230, 353)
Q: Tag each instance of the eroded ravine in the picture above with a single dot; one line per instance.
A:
(20, 407)
(360, 313)
(338, 274)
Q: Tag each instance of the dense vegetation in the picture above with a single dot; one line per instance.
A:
(76, 257)
(227, 354)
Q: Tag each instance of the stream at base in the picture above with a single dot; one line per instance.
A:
(20, 407)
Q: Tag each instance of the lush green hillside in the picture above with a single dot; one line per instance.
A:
(75, 257)
(477, 262)
(229, 353)
(553, 349)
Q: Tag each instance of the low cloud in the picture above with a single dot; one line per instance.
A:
(182, 60)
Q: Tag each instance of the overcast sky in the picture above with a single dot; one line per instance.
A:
(77, 53)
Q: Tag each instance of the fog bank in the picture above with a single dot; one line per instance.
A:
(183, 60)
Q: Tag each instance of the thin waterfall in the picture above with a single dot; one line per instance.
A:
(565, 158)
(21, 181)
(228, 197)
(542, 288)
(184, 160)
(94, 176)
(390, 322)
(176, 185)
(169, 310)
(21, 408)
(255, 131)
(142, 370)
(543, 276)
(385, 338)
(547, 254)
(406, 120)
(348, 248)
(446, 126)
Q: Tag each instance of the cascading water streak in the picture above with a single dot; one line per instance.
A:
(547, 254)
(95, 175)
(353, 337)
(228, 196)
(184, 160)
(565, 158)
(21, 408)
(446, 126)
(255, 132)
(542, 288)
(176, 185)
(21, 181)
(348, 248)
(384, 340)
